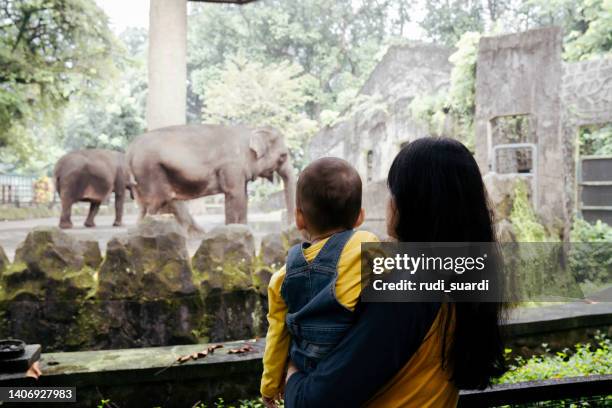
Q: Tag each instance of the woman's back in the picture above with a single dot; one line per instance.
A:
(423, 381)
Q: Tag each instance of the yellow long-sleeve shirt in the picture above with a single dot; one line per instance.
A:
(348, 289)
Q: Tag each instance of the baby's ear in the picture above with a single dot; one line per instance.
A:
(299, 219)
(360, 218)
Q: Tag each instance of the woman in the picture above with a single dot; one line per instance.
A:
(416, 354)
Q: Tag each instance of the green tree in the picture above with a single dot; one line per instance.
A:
(593, 34)
(335, 41)
(49, 52)
(112, 117)
(446, 21)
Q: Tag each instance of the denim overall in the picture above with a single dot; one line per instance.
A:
(316, 319)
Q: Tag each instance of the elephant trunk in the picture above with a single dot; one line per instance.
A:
(286, 173)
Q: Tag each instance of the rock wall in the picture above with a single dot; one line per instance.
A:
(382, 126)
(146, 291)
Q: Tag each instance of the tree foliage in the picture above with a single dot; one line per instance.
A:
(112, 117)
(595, 38)
(335, 42)
(49, 52)
(446, 21)
(588, 35)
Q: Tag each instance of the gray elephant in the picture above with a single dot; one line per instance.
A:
(178, 163)
(91, 175)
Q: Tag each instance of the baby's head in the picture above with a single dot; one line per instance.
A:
(328, 197)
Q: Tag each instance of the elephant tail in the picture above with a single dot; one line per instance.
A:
(57, 185)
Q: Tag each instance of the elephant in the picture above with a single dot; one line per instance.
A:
(171, 165)
(91, 175)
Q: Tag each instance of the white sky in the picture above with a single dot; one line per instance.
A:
(126, 13)
(135, 13)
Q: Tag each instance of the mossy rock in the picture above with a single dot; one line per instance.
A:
(273, 250)
(4, 261)
(239, 314)
(50, 264)
(92, 256)
(111, 324)
(291, 236)
(225, 258)
(261, 279)
(51, 251)
(150, 263)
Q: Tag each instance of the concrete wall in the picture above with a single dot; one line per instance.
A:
(521, 74)
(586, 95)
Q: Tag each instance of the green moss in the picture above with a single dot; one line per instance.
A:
(524, 220)
(90, 322)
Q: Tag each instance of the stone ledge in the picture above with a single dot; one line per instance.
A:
(146, 376)
(141, 377)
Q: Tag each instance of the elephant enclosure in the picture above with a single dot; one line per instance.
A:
(144, 289)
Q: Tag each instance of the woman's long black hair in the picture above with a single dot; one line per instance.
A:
(439, 196)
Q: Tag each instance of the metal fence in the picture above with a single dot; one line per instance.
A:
(595, 188)
(16, 189)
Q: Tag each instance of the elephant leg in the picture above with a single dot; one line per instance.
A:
(142, 211)
(236, 206)
(181, 212)
(94, 206)
(65, 221)
(119, 200)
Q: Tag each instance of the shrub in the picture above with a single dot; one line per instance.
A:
(591, 254)
(585, 360)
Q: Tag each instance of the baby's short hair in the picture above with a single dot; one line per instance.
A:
(329, 194)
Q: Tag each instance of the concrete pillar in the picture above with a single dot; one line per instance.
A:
(167, 97)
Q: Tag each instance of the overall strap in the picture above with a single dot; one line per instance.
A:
(295, 257)
(331, 251)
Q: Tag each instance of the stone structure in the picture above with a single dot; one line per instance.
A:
(525, 95)
(371, 136)
(586, 94)
(518, 77)
(145, 292)
(522, 81)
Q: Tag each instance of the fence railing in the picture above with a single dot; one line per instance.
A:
(594, 389)
(17, 189)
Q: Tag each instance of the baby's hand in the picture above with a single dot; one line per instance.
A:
(269, 402)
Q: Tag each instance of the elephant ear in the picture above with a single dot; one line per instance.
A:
(258, 142)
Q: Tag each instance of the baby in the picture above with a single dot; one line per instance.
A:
(311, 300)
